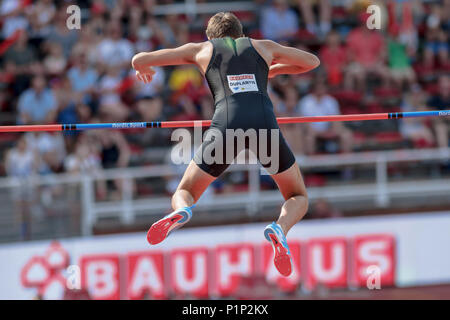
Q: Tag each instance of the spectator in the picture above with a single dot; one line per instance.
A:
(51, 150)
(111, 105)
(20, 60)
(83, 79)
(367, 55)
(441, 101)
(86, 160)
(166, 30)
(324, 26)
(73, 107)
(185, 76)
(436, 48)
(40, 15)
(436, 37)
(37, 105)
(399, 61)
(416, 129)
(147, 35)
(21, 163)
(187, 110)
(55, 62)
(12, 15)
(279, 22)
(319, 103)
(87, 44)
(115, 50)
(59, 33)
(287, 107)
(333, 58)
(114, 152)
(151, 109)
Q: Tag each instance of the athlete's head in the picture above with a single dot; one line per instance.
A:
(224, 24)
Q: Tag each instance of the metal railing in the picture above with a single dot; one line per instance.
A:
(380, 191)
(192, 8)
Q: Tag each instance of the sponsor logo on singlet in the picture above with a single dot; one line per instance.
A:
(242, 83)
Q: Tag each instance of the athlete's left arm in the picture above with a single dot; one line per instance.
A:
(289, 60)
(281, 68)
(185, 54)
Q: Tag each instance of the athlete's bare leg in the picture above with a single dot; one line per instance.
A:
(292, 187)
(192, 185)
(290, 183)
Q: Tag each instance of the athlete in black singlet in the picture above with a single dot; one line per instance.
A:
(237, 70)
(237, 76)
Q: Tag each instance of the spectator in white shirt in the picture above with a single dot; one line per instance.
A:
(12, 16)
(115, 50)
(319, 103)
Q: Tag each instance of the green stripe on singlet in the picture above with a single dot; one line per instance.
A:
(231, 43)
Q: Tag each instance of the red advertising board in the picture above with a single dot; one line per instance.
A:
(333, 262)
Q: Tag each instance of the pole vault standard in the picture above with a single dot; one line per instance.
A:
(207, 123)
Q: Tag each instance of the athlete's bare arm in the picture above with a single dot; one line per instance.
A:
(285, 60)
(190, 53)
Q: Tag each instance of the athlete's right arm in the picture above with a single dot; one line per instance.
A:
(288, 60)
(185, 54)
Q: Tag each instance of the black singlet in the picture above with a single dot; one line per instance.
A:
(237, 76)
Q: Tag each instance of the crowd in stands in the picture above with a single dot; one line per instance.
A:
(51, 74)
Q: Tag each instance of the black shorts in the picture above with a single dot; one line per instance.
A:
(244, 121)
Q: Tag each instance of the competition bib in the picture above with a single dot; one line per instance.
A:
(242, 83)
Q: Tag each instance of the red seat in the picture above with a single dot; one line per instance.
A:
(315, 180)
(388, 137)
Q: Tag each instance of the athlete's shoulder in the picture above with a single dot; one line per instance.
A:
(264, 42)
(265, 45)
(195, 45)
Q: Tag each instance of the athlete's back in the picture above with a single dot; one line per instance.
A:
(236, 67)
(237, 70)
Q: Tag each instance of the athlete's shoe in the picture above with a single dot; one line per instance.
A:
(282, 255)
(161, 228)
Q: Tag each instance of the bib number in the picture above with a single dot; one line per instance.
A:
(242, 83)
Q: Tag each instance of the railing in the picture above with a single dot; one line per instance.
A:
(192, 8)
(380, 191)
